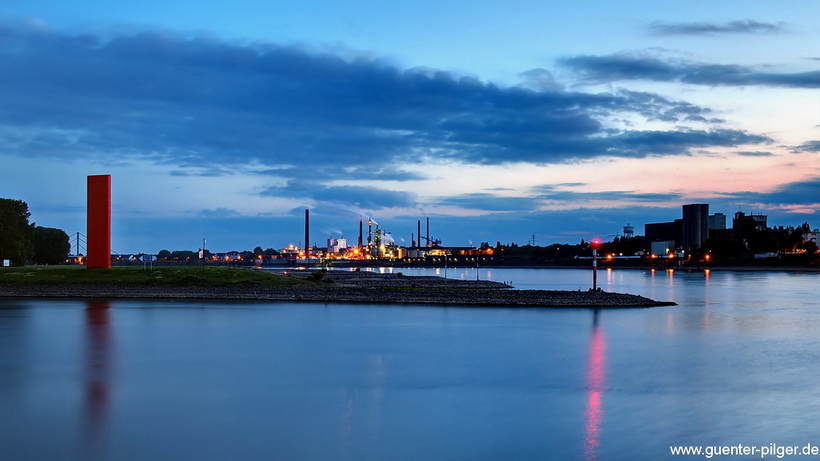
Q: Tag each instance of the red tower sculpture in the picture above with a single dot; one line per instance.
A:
(99, 222)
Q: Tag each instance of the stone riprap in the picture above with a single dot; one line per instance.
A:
(356, 287)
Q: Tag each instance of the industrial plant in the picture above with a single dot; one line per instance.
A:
(377, 245)
(697, 238)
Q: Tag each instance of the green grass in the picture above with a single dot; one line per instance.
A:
(162, 276)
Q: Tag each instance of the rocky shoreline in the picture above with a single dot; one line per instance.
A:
(353, 287)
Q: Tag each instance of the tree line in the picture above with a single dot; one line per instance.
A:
(22, 241)
(188, 255)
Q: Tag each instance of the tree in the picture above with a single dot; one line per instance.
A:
(16, 234)
(51, 246)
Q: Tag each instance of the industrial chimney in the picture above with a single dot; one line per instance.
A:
(307, 234)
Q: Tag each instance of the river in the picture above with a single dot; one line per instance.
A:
(737, 361)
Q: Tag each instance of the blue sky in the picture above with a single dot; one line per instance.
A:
(497, 120)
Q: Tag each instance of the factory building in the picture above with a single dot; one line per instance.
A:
(695, 226)
(717, 221)
(685, 234)
(756, 222)
(336, 245)
(662, 238)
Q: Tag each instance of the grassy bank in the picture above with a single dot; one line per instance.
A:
(137, 276)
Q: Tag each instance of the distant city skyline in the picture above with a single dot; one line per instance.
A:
(498, 121)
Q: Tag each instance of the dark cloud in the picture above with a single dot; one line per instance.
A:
(207, 172)
(365, 197)
(756, 154)
(641, 144)
(705, 28)
(810, 146)
(204, 106)
(197, 99)
(600, 69)
(491, 202)
(380, 174)
(654, 107)
(549, 192)
(796, 193)
(546, 194)
(219, 213)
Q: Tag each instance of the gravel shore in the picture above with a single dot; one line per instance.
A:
(356, 287)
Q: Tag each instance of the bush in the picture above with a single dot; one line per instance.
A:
(317, 276)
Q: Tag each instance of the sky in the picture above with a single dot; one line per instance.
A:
(513, 122)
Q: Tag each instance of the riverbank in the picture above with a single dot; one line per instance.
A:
(451, 296)
(338, 286)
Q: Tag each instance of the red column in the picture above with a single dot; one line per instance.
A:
(99, 222)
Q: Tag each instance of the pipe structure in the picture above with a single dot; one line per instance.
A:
(594, 244)
(307, 234)
(594, 269)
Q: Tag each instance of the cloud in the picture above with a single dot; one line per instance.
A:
(803, 193)
(220, 213)
(198, 101)
(549, 192)
(491, 202)
(810, 146)
(201, 106)
(747, 26)
(364, 197)
(756, 154)
(617, 67)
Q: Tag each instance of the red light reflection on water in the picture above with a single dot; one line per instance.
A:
(595, 388)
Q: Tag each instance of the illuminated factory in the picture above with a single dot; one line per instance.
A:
(376, 244)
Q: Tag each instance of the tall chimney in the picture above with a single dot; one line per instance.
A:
(419, 233)
(360, 234)
(428, 232)
(307, 233)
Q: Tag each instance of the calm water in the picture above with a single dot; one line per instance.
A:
(736, 362)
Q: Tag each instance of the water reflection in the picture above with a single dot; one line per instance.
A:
(360, 424)
(595, 388)
(98, 364)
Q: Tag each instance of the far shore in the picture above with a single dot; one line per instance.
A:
(602, 265)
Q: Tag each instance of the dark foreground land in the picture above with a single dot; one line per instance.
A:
(315, 286)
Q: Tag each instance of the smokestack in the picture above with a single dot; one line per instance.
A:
(307, 233)
(360, 234)
(428, 231)
(419, 233)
